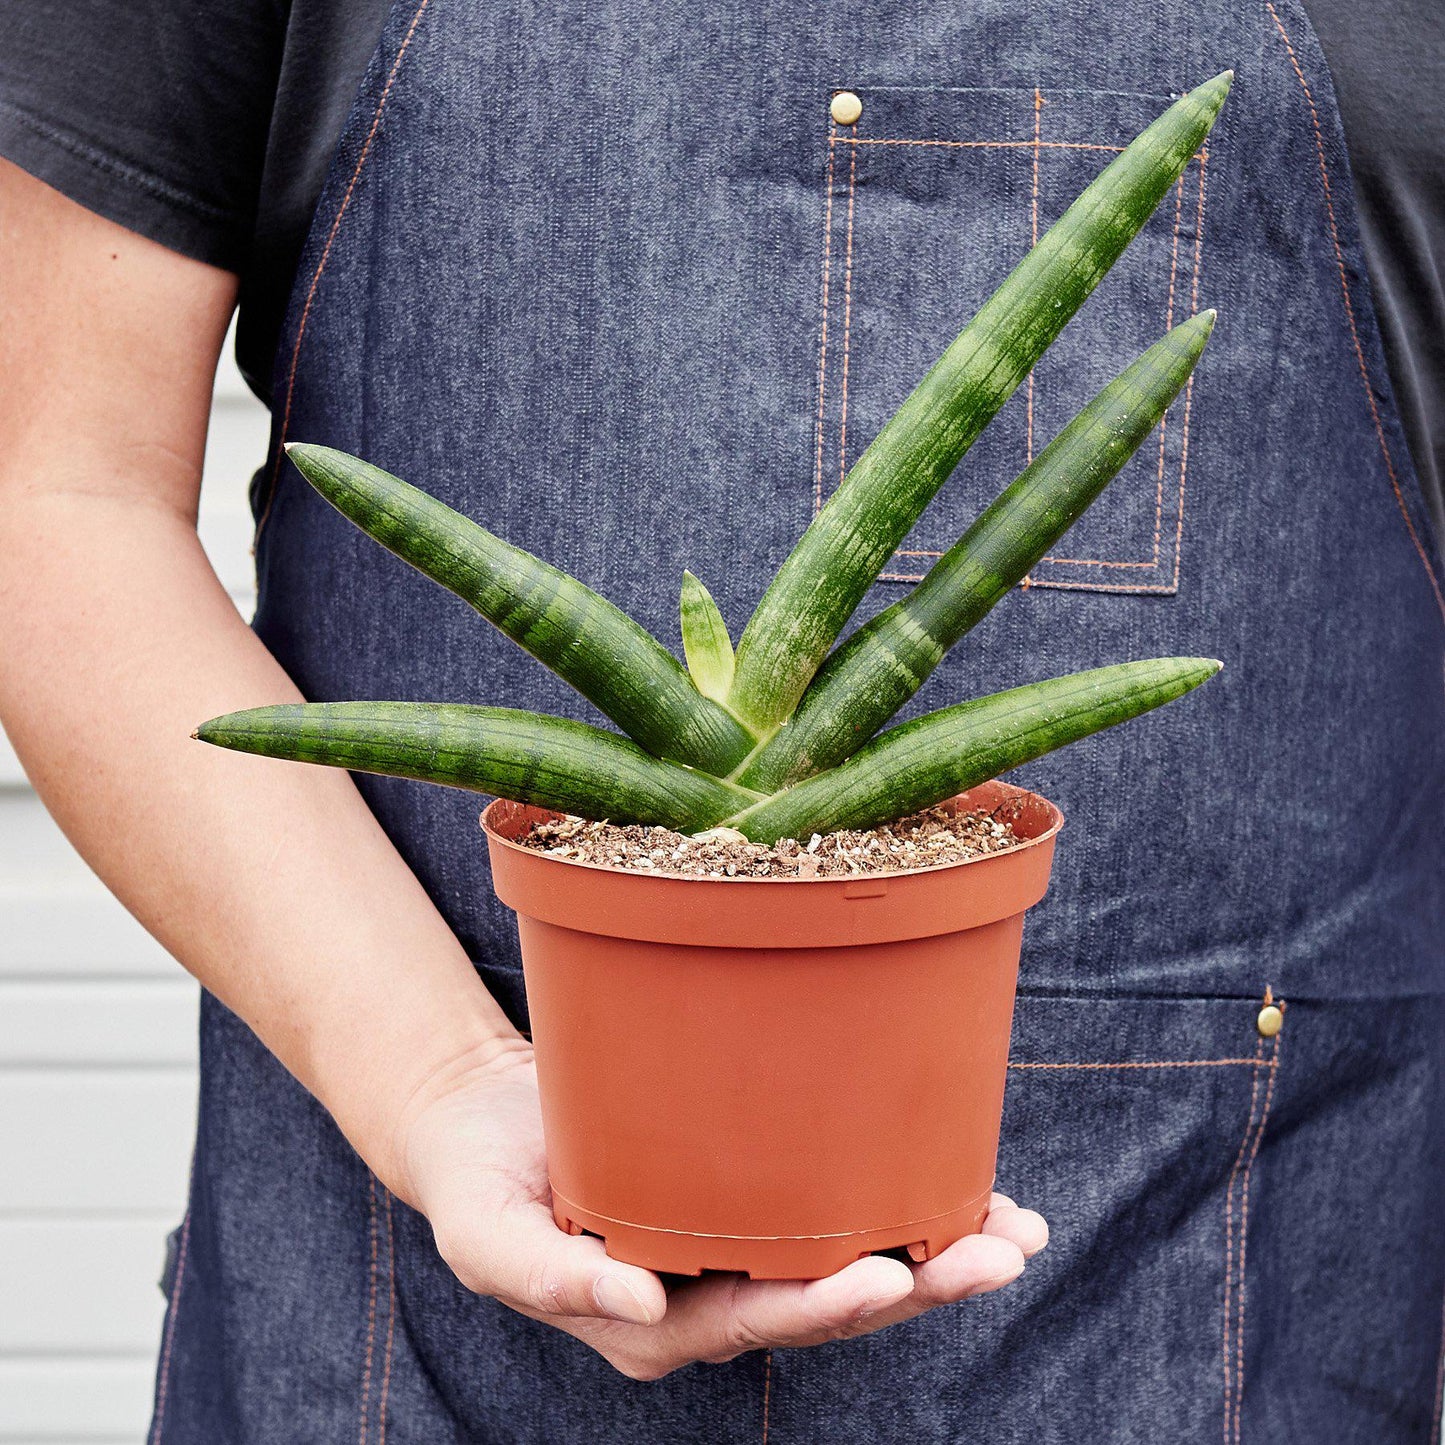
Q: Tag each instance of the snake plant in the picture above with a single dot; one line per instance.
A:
(782, 737)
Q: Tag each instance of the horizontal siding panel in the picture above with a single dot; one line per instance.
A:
(86, 1286)
(76, 934)
(132, 1021)
(88, 1400)
(98, 1140)
(34, 853)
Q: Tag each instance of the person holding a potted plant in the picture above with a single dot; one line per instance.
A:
(557, 276)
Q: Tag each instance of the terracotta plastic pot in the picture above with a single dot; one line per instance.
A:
(775, 1076)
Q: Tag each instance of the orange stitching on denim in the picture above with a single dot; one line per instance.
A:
(1229, 1235)
(767, 1392)
(1141, 1064)
(1062, 561)
(1240, 1292)
(1160, 587)
(1350, 314)
(370, 1313)
(174, 1308)
(390, 1320)
(1189, 384)
(1036, 145)
(823, 346)
(847, 318)
(326, 256)
(987, 145)
(1094, 562)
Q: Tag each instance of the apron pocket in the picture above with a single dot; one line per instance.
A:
(931, 198)
(1135, 1126)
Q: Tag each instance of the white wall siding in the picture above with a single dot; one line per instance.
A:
(97, 1077)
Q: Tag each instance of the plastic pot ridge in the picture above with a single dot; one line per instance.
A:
(774, 1076)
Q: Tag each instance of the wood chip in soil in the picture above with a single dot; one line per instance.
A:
(930, 839)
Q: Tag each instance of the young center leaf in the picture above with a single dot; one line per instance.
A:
(705, 641)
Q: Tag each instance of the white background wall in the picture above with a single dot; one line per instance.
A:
(97, 1077)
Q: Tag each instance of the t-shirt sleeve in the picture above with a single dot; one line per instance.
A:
(152, 113)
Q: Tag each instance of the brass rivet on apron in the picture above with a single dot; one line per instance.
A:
(846, 107)
(1270, 1020)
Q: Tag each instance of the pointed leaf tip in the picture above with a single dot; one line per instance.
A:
(1220, 83)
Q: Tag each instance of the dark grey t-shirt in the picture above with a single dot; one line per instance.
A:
(209, 128)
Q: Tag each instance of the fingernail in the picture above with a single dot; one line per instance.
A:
(619, 1301)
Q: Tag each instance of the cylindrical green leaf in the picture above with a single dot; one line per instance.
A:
(527, 757)
(841, 553)
(884, 663)
(705, 640)
(931, 758)
(591, 644)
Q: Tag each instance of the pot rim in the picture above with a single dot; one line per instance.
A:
(1005, 791)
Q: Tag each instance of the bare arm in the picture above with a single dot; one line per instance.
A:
(272, 883)
(119, 639)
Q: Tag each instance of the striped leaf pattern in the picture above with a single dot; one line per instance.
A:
(932, 758)
(885, 662)
(551, 762)
(592, 645)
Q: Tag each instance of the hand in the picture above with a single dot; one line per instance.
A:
(475, 1166)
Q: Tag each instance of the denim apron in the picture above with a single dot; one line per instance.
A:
(610, 280)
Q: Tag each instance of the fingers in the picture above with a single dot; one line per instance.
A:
(723, 1316)
(762, 1314)
(1021, 1227)
(624, 1313)
(526, 1261)
(977, 1264)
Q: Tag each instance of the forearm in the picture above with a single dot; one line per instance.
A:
(272, 883)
